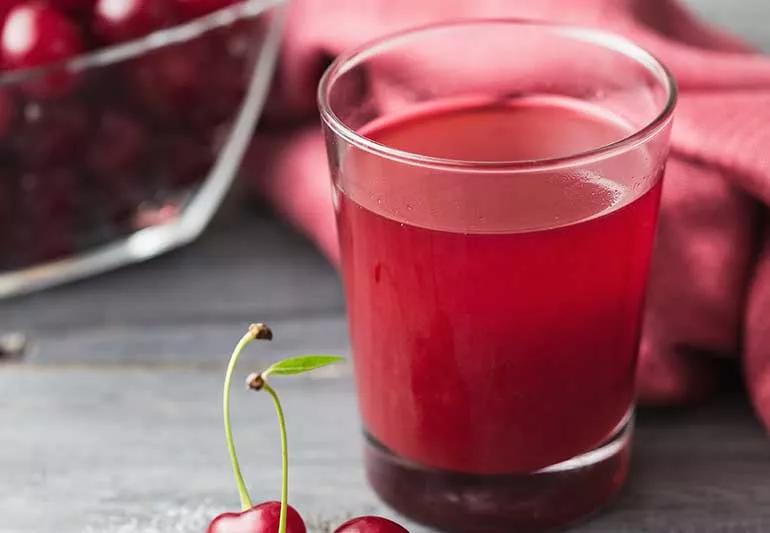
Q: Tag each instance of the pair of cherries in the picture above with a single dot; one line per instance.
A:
(264, 517)
(273, 516)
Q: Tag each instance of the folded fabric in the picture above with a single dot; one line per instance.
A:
(709, 294)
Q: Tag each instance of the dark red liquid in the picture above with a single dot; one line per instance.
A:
(495, 317)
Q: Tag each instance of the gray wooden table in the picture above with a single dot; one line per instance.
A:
(111, 420)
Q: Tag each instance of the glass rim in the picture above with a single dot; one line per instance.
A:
(608, 40)
(160, 38)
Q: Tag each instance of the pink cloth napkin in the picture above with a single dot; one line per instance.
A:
(710, 288)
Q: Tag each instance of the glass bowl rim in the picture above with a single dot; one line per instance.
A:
(124, 50)
(601, 38)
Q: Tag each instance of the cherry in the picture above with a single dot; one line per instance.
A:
(6, 6)
(8, 113)
(186, 160)
(227, 65)
(46, 242)
(46, 205)
(116, 197)
(37, 34)
(117, 144)
(371, 524)
(119, 20)
(77, 6)
(190, 9)
(6, 202)
(47, 195)
(114, 157)
(52, 135)
(262, 518)
(169, 82)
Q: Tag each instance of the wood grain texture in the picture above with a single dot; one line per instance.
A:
(119, 449)
(111, 422)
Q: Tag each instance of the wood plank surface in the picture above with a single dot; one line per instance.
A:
(110, 422)
(119, 449)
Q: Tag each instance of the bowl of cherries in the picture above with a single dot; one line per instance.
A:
(122, 125)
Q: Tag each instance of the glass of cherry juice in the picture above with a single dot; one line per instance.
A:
(496, 186)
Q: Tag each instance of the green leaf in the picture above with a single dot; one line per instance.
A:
(301, 364)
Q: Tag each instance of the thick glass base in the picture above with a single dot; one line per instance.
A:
(546, 499)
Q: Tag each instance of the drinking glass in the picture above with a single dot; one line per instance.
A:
(496, 186)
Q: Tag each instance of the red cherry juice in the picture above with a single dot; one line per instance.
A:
(494, 316)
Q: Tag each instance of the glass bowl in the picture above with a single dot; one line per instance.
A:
(125, 152)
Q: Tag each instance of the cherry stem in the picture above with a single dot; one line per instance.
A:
(284, 457)
(259, 382)
(256, 331)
